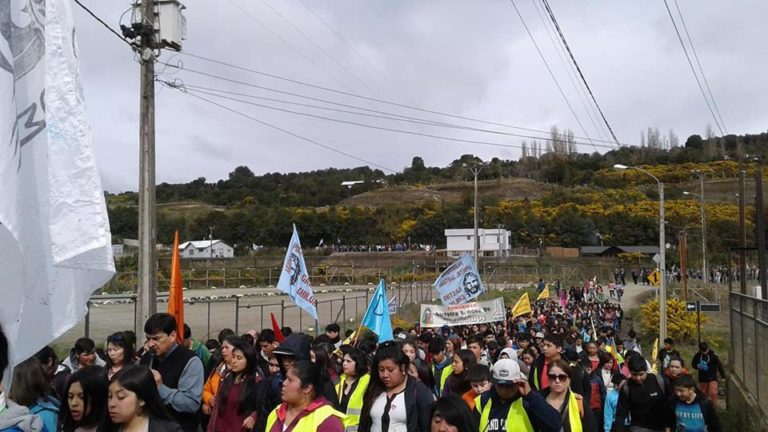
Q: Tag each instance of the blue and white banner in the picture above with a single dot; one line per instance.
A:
(460, 282)
(294, 279)
(55, 241)
(393, 305)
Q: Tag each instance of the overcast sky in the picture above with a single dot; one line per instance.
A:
(468, 58)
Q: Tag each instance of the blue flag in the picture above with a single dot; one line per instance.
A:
(376, 317)
(294, 279)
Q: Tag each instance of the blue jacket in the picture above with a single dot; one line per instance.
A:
(48, 410)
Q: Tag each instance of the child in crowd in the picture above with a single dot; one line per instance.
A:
(479, 377)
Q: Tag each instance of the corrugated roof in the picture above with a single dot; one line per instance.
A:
(199, 244)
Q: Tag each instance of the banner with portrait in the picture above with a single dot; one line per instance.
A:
(464, 314)
(460, 282)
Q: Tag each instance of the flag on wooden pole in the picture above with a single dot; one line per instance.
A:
(522, 307)
(176, 291)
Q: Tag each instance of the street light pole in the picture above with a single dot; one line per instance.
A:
(662, 253)
(703, 230)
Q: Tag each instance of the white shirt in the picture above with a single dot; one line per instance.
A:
(398, 418)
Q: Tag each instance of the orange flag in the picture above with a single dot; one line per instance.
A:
(176, 293)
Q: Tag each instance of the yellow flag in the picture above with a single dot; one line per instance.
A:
(544, 294)
(522, 307)
(655, 355)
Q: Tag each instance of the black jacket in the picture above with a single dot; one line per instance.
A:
(157, 425)
(708, 366)
(418, 399)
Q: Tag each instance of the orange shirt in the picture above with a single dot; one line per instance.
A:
(212, 385)
(469, 398)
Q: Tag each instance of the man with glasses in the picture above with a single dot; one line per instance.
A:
(644, 397)
(511, 405)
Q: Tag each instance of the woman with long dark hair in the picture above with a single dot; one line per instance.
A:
(392, 390)
(451, 413)
(120, 353)
(352, 386)
(211, 387)
(135, 404)
(573, 412)
(236, 408)
(457, 383)
(32, 389)
(303, 407)
(86, 404)
(320, 356)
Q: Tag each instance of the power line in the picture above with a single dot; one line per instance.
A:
(290, 45)
(551, 74)
(340, 92)
(701, 69)
(357, 53)
(690, 63)
(365, 125)
(316, 45)
(575, 63)
(119, 36)
(293, 134)
(578, 88)
(384, 115)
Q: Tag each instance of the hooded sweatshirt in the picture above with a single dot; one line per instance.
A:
(17, 418)
(73, 365)
(48, 411)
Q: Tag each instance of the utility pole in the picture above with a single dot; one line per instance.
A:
(703, 230)
(742, 227)
(683, 250)
(147, 288)
(475, 170)
(761, 258)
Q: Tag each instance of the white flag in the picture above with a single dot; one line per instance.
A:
(54, 232)
(294, 279)
(460, 282)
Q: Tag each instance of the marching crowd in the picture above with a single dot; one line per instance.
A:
(562, 367)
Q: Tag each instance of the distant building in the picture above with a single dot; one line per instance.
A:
(612, 251)
(493, 242)
(204, 249)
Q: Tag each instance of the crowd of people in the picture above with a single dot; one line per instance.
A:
(563, 367)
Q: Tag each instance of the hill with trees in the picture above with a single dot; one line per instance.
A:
(549, 197)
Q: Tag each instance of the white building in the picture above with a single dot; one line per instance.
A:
(492, 241)
(204, 249)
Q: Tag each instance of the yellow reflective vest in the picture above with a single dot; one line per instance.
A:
(355, 404)
(310, 422)
(574, 413)
(446, 372)
(517, 418)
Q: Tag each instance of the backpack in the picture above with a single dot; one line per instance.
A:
(624, 389)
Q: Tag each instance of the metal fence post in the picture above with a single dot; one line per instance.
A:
(261, 320)
(135, 308)
(208, 329)
(282, 312)
(88, 319)
(344, 309)
(317, 327)
(237, 315)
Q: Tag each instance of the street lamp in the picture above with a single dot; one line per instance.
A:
(662, 252)
(703, 232)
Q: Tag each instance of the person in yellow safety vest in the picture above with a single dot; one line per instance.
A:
(510, 405)
(442, 365)
(304, 409)
(352, 386)
(576, 417)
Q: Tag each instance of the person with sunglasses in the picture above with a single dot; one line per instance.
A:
(394, 401)
(570, 406)
(510, 405)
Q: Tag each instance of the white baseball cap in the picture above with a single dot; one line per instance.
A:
(506, 371)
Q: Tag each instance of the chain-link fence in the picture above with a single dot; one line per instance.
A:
(749, 352)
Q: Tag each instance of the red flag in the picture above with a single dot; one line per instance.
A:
(176, 293)
(276, 327)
